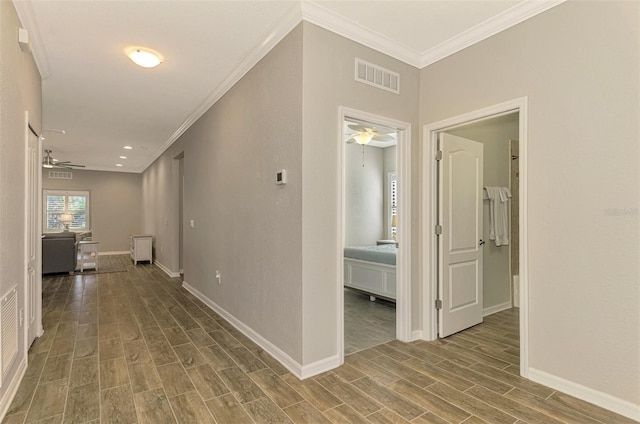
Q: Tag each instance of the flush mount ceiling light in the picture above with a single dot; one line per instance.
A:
(144, 57)
(127, 147)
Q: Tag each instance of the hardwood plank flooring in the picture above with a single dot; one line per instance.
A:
(136, 347)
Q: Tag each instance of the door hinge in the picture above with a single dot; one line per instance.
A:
(439, 155)
(438, 229)
(438, 304)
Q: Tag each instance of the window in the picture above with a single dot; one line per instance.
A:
(393, 203)
(57, 202)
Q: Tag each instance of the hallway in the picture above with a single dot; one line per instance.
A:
(135, 347)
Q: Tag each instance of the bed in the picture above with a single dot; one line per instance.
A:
(371, 269)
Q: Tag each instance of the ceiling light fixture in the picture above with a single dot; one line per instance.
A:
(118, 164)
(363, 137)
(144, 57)
(128, 147)
(123, 157)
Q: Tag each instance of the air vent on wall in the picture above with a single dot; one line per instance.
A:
(377, 76)
(9, 329)
(60, 175)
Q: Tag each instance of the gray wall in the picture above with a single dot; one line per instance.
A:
(246, 226)
(578, 63)
(21, 90)
(329, 83)
(494, 134)
(364, 200)
(115, 202)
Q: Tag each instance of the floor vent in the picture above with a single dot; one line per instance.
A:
(8, 329)
(377, 76)
(60, 175)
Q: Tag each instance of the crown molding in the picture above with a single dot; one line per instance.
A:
(28, 21)
(502, 21)
(325, 18)
(268, 41)
(312, 12)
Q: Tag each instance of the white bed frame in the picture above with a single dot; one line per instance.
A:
(372, 277)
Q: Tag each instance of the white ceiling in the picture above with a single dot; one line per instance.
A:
(103, 101)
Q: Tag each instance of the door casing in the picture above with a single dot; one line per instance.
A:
(403, 260)
(33, 230)
(429, 216)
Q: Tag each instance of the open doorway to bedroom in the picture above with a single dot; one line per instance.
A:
(370, 227)
(375, 231)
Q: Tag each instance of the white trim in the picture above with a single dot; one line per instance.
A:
(27, 18)
(166, 270)
(429, 218)
(268, 41)
(417, 335)
(118, 252)
(328, 19)
(319, 367)
(604, 400)
(403, 260)
(498, 23)
(323, 17)
(12, 389)
(316, 14)
(496, 308)
(288, 362)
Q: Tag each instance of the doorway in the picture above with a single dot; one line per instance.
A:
(33, 231)
(179, 171)
(402, 133)
(430, 268)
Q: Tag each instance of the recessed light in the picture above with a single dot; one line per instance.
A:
(123, 157)
(128, 147)
(144, 57)
(54, 160)
(118, 164)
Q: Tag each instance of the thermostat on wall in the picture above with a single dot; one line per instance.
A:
(281, 177)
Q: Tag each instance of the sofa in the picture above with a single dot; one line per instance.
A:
(59, 252)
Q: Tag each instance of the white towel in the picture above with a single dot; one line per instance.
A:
(499, 214)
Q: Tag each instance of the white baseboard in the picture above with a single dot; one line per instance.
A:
(123, 252)
(497, 308)
(319, 367)
(166, 270)
(416, 335)
(12, 389)
(289, 363)
(604, 400)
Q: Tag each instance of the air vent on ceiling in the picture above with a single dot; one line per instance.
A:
(61, 175)
(377, 76)
(9, 329)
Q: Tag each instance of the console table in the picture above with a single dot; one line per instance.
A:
(141, 247)
(88, 254)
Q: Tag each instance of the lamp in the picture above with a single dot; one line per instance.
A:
(66, 219)
(363, 137)
(394, 224)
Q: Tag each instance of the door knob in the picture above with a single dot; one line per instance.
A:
(481, 242)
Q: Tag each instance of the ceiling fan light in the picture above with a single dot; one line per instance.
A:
(363, 138)
(144, 57)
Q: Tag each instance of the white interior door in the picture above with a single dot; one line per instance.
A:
(33, 240)
(460, 249)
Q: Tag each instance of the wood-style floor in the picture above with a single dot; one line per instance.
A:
(134, 347)
(367, 323)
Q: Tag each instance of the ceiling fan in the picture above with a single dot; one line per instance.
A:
(49, 162)
(365, 133)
